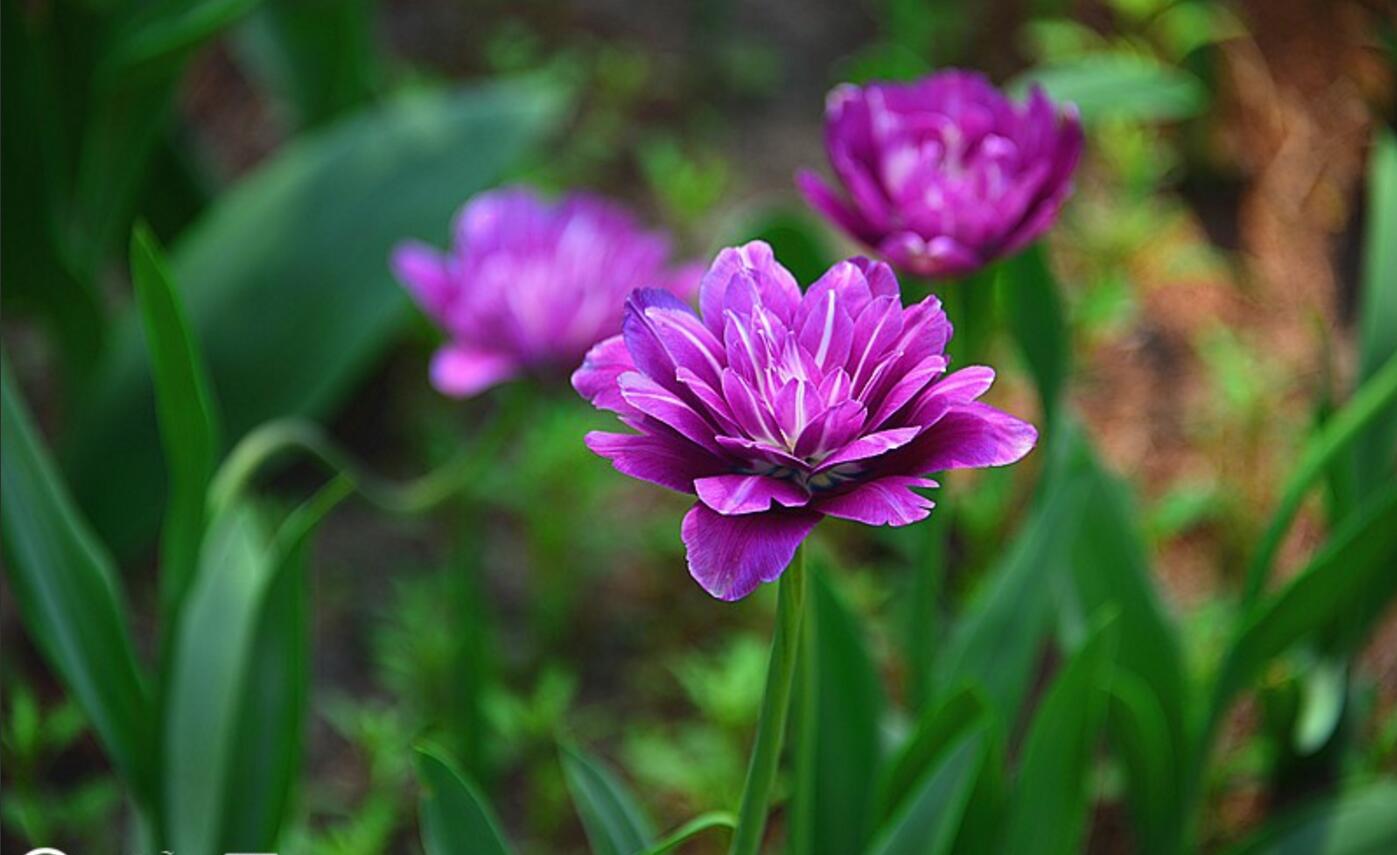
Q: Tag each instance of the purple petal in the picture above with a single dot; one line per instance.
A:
(882, 282)
(748, 494)
(666, 407)
(823, 199)
(596, 379)
(426, 274)
(941, 257)
(754, 262)
(461, 371)
(884, 501)
(875, 329)
(730, 556)
(906, 385)
(664, 460)
(958, 387)
(870, 445)
(648, 352)
(970, 436)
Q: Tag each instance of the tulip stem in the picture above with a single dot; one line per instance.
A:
(776, 702)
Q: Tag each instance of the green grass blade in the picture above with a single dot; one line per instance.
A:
(68, 594)
(1377, 311)
(185, 409)
(615, 822)
(456, 817)
(939, 725)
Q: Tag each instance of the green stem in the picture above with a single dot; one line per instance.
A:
(776, 702)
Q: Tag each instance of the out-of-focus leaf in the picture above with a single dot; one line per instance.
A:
(166, 28)
(1141, 737)
(1049, 808)
(236, 695)
(67, 592)
(614, 821)
(839, 714)
(1029, 293)
(1361, 821)
(1324, 687)
(1367, 407)
(1377, 312)
(456, 818)
(185, 407)
(1110, 570)
(996, 645)
(319, 55)
(939, 725)
(36, 278)
(1119, 86)
(287, 282)
(691, 829)
(1353, 570)
(927, 822)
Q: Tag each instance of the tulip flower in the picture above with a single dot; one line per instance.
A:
(777, 409)
(942, 176)
(529, 285)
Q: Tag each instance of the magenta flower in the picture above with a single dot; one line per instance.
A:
(944, 175)
(778, 409)
(529, 285)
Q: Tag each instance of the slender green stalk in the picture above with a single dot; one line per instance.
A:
(776, 701)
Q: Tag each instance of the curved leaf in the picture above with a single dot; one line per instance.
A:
(928, 822)
(1362, 821)
(691, 829)
(614, 821)
(68, 594)
(1120, 86)
(456, 817)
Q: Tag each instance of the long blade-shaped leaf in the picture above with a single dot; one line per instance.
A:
(1377, 313)
(67, 593)
(837, 750)
(455, 816)
(614, 821)
(185, 407)
(1036, 318)
(927, 823)
(1049, 809)
(939, 725)
(287, 279)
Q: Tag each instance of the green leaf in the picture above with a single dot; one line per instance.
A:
(456, 817)
(232, 736)
(996, 645)
(287, 281)
(614, 821)
(319, 56)
(68, 594)
(1119, 86)
(1361, 821)
(927, 823)
(1141, 737)
(1110, 570)
(939, 725)
(1368, 407)
(168, 28)
(691, 829)
(1029, 293)
(185, 408)
(837, 749)
(1351, 571)
(1377, 312)
(1048, 811)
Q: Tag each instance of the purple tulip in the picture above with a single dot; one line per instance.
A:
(778, 409)
(944, 175)
(530, 285)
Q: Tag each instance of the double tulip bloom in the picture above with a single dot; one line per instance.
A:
(777, 408)
(530, 284)
(944, 175)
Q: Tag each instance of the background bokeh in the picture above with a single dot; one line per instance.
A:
(1209, 264)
